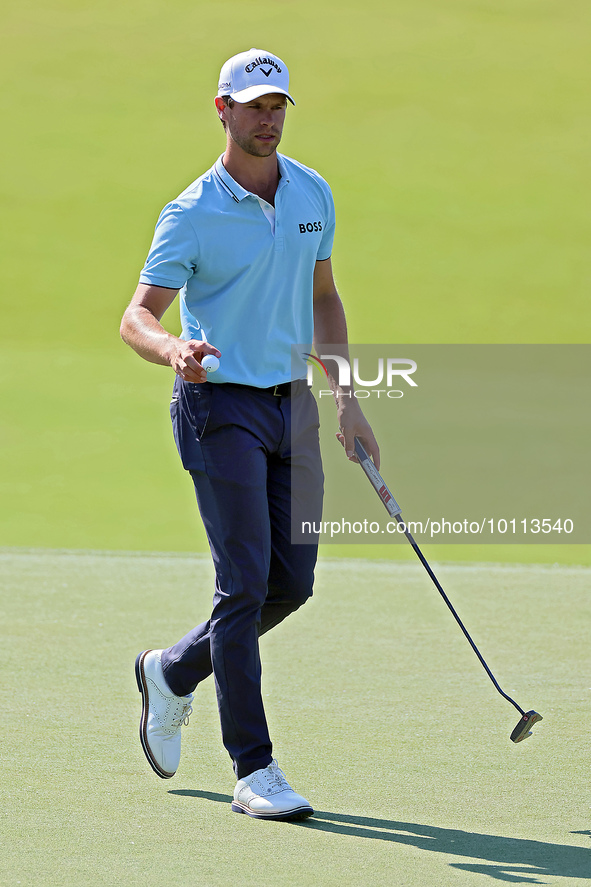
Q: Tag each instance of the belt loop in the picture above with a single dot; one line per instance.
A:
(283, 389)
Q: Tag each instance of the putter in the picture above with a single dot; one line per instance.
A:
(528, 718)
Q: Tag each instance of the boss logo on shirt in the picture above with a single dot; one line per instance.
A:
(309, 227)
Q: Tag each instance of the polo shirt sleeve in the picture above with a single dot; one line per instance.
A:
(173, 256)
(328, 229)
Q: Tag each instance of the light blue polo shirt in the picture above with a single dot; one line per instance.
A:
(246, 284)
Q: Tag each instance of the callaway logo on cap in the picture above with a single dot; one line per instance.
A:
(251, 74)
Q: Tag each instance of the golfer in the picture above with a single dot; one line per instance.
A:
(248, 248)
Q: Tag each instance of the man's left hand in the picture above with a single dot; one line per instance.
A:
(352, 424)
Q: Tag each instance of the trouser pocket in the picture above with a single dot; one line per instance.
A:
(190, 409)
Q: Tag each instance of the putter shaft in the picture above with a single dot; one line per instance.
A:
(529, 718)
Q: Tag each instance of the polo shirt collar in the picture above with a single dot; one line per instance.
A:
(284, 175)
(236, 190)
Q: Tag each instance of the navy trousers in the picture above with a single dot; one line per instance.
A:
(254, 458)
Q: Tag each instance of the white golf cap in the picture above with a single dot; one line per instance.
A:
(251, 74)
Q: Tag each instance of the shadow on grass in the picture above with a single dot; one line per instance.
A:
(514, 860)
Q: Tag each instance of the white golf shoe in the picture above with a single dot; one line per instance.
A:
(266, 794)
(163, 715)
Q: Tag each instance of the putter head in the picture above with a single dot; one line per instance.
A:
(522, 730)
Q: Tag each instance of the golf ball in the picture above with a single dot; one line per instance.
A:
(210, 363)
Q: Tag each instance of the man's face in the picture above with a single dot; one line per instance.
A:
(256, 126)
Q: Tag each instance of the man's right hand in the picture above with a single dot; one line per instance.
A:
(186, 357)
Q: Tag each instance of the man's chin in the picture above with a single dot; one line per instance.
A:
(261, 149)
(264, 149)
(261, 154)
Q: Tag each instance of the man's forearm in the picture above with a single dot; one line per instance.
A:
(330, 325)
(141, 330)
(145, 334)
(330, 332)
(330, 329)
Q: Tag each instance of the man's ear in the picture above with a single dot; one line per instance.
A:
(220, 107)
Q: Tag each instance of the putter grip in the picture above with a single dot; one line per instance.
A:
(376, 480)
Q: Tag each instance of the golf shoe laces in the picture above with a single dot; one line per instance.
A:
(183, 716)
(276, 777)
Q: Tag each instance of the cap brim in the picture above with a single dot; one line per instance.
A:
(255, 92)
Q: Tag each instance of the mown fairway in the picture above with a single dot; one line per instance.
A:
(379, 710)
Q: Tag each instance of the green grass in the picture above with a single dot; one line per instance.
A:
(452, 134)
(380, 713)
